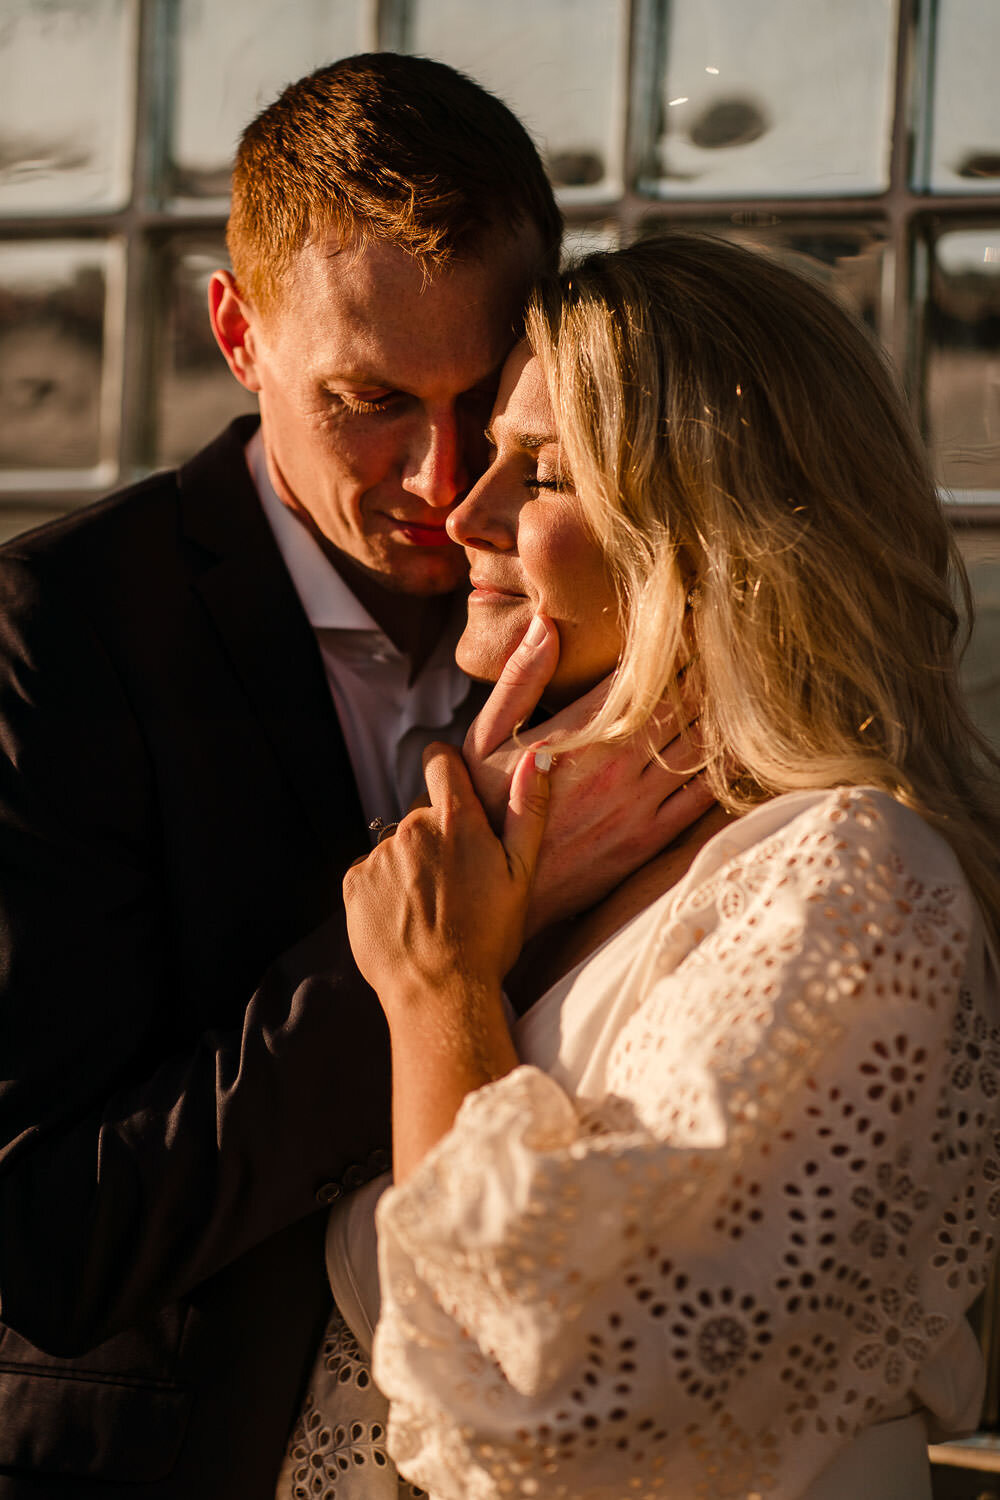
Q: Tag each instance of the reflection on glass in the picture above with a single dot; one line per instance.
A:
(195, 394)
(981, 664)
(559, 65)
(846, 257)
(66, 104)
(52, 315)
(779, 97)
(964, 139)
(232, 60)
(962, 381)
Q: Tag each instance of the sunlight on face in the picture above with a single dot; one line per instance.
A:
(374, 384)
(529, 549)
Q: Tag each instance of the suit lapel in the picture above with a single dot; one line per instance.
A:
(272, 648)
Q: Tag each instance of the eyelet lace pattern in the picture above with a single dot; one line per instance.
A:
(758, 1232)
(337, 1450)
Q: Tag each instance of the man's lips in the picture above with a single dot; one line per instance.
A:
(419, 535)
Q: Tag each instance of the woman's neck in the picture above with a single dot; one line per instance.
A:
(553, 952)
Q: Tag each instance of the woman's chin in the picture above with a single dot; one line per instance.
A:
(483, 654)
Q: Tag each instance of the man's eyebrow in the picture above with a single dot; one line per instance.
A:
(359, 376)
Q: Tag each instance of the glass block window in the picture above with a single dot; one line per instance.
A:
(962, 353)
(60, 360)
(195, 395)
(228, 62)
(961, 153)
(561, 66)
(67, 104)
(786, 99)
(857, 139)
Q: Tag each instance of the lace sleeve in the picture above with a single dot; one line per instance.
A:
(708, 1279)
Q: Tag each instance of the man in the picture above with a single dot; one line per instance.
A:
(209, 684)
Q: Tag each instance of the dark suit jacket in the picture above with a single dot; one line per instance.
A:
(176, 809)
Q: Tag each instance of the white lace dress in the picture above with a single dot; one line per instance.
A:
(731, 1211)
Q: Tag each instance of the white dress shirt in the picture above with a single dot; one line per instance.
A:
(386, 719)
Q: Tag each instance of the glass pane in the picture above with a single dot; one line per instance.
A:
(559, 65)
(848, 258)
(232, 60)
(195, 394)
(981, 665)
(58, 394)
(782, 97)
(962, 381)
(965, 109)
(67, 89)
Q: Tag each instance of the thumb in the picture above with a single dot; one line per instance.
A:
(527, 811)
(518, 689)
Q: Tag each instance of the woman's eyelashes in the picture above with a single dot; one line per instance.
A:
(557, 483)
(536, 476)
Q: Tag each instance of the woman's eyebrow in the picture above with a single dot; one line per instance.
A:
(531, 441)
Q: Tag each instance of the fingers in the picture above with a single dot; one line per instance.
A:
(671, 719)
(680, 756)
(680, 809)
(449, 785)
(520, 686)
(527, 810)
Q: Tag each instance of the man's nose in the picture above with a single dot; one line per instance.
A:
(436, 468)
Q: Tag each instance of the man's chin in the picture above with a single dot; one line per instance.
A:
(421, 576)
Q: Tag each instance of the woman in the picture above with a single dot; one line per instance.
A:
(705, 1219)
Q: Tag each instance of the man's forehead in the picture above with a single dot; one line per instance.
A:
(358, 274)
(377, 306)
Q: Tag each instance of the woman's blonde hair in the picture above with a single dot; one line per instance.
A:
(744, 459)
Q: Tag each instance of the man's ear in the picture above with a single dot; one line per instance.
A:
(232, 325)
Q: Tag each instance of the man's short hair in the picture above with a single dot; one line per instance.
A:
(384, 146)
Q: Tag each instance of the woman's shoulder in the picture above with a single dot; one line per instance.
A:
(811, 836)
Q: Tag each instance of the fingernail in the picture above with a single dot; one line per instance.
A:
(536, 633)
(543, 760)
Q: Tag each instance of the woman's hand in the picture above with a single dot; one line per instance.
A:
(436, 917)
(613, 806)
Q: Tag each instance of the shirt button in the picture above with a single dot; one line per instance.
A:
(329, 1193)
(354, 1177)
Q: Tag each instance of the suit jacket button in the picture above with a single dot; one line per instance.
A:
(379, 1161)
(354, 1177)
(329, 1193)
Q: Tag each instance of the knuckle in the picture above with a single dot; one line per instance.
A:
(517, 670)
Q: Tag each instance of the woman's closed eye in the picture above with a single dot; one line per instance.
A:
(554, 482)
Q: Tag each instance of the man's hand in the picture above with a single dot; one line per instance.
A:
(436, 919)
(613, 807)
(436, 913)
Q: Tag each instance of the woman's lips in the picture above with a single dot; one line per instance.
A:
(492, 593)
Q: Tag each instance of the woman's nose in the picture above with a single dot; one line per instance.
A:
(487, 517)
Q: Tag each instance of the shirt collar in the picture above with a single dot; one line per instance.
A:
(328, 602)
